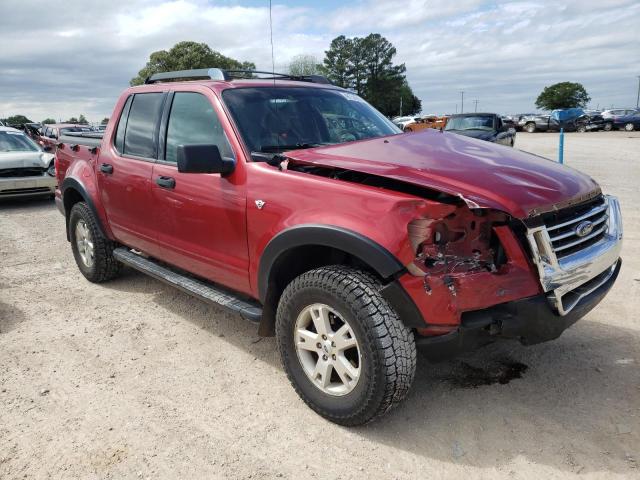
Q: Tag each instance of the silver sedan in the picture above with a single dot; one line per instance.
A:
(25, 170)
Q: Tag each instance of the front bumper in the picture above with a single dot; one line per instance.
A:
(13, 187)
(531, 320)
(568, 279)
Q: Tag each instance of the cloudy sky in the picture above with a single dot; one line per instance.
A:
(61, 59)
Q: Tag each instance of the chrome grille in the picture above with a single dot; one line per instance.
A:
(22, 172)
(562, 227)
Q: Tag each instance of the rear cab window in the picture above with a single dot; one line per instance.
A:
(136, 135)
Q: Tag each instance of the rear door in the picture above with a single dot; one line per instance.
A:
(124, 172)
(200, 218)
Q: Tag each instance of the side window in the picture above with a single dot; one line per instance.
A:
(122, 125)
(141, 125)
(193, 121)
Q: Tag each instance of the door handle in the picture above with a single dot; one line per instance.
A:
(166, 182)
(106, 168)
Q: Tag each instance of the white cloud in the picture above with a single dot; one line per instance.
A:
(77, 59)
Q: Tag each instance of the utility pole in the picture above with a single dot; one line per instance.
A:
(475, 109)
(462, 102)
(638, 98)
(400, 105)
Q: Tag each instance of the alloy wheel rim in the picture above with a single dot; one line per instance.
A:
(84, 243)
(327, 349)
(629, 127)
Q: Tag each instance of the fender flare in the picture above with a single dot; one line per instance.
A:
(71, 182)
(353, 243)
(373, 254)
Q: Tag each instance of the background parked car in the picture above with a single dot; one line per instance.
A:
(483, 126)
(557, 119)
(25, 170)
(428, 121)
(610, 116)
(590, 122)
(402, 122)
(627, 122)
(51, 133)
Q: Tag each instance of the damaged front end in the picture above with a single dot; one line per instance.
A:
(465, 259)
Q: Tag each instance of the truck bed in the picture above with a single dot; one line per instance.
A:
(87, 139)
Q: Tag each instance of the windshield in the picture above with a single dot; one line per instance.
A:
(16, 142)
(480, 122)
(274, 119)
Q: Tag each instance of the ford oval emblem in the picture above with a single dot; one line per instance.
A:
(584, 228)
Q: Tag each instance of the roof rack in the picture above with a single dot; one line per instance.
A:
(226, 75)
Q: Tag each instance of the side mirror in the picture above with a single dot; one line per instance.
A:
(203, 159)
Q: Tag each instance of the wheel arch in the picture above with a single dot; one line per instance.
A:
(73, 192)
(305, 247)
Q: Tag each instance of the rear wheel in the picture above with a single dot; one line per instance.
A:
(608, 127)
(344, 349)
(92, 251)
(629, 127)
(530, 127)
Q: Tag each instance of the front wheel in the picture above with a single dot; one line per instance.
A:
(629, 127)
(344, 349)
(608, 127)
(581, 129)
(530, 127)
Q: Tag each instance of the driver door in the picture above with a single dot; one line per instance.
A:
(200, 217)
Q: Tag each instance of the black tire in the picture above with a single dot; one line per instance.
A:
(629, 127)
(530, 127)
(104, 267)
(387, 348)
(581, 129)
(608, 126)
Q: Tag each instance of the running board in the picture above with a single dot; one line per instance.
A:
(198, 288)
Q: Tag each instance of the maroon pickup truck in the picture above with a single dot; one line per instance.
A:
(297, 205)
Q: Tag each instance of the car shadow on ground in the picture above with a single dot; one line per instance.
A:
(571, 404)
(10, 316)
(26, 203)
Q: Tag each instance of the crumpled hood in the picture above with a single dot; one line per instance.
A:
(24, 159)
(484, 174)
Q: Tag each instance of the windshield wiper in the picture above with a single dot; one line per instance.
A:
(297, 146)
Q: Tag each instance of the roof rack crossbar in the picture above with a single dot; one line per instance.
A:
(210, 73)
(220, 74)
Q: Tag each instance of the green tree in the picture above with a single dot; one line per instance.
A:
(305, 65)
(72, 120)
(563, 95)
(337, 61)
(16, 120)
(410, 103)
(82, 120)
(48, 121)
(186, 56)
(366, 66)
(104, 121)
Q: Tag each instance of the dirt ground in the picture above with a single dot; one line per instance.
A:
(133, 379)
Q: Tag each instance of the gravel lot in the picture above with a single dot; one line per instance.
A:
(133, 379)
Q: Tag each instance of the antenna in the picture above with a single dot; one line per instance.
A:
(273, 61)
(273, 67)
